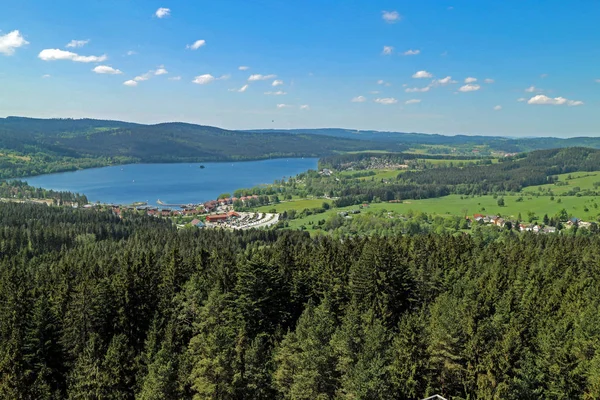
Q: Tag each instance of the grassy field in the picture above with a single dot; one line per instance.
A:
(583, 180)
(487, 205)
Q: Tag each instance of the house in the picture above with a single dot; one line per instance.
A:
(549, 229)
(499, 222)
(233, 214)
(217, 218)
(525, 228)
(586, 225)
(197, 223)
(192, 211)
(536, 228)
(326, 172)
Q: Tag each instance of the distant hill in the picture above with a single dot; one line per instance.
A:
(30, 146)
(500, 143)
(107, 142)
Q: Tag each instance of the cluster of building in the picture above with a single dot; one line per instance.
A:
(214, 204)
(536, 228)
(187, 210)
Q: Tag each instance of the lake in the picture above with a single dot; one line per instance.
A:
(171, 183)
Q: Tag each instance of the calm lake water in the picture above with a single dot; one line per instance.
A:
(171, 183)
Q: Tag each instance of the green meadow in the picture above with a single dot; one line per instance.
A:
(583, 180)
(487, 205)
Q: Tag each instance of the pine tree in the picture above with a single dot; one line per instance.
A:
(305, 359)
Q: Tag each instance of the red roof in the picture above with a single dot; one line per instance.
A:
(233, 214)
(216, 217)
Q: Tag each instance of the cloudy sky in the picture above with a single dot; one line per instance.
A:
(476, 67)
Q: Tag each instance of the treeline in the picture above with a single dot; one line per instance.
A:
(357, 160)
(19, 190)
(510, 174)
(93, 306)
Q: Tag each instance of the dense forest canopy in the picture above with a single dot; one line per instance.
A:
(95, 306)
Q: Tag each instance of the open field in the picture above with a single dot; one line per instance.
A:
(583, 180)
(454, 205)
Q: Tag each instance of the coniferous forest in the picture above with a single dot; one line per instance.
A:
(93, 306)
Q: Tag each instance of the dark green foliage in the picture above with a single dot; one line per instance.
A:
(148, 312)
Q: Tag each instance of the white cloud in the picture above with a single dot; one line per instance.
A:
(556, 101)
(46, 76)
(412, 101)
(131, 52)
(130, 82)
(243, 68)
(305, 107)
(374, 92)
(11, 41)
(488, 80)
(521, 99)
(469, 88)
(597, 80)
(416, 90)
(444, 81)
(531, 89)
(242, 89)
(411, 52)
(161, 71)
(380, 82)
(77, 43)
(497, 108)
(196, 45)
(224, 77)
(175, 78)
(387, 50)
(259, 77)
(203, 79)
(359, 99)
(277, 93)
(386, 100)
(283, 105)
(277, 83)
(543, 76)
(163, 12)
(144, 77)
(105, 69)
(57, 54)
(391, 16)
(470, 80)
(422, 74)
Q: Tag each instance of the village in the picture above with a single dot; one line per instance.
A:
(531, 227)
(218, 213)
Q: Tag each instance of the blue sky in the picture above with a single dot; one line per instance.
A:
(475, 67)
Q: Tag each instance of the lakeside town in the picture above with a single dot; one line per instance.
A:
(218, 213)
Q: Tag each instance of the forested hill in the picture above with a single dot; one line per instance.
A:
(30, 146)
(34, 146)
(162, 142)
(97, 307)
(498, 143)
